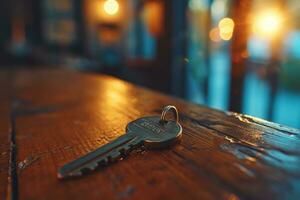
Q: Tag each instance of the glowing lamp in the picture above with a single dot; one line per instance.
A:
(111, 11)
(111, 7)
(111, 20)
(268, 23)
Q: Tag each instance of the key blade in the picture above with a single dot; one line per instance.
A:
(100, 156)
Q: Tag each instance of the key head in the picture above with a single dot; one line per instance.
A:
(155, 134)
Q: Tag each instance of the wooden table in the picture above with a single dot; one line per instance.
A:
(48, 118)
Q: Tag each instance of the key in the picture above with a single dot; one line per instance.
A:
(153, 132)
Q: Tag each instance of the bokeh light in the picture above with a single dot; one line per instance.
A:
(197, 5)
(268, 23)
(214, 35)
(226, 27)
(111, 7)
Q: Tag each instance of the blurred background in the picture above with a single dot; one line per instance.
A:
(237, 55)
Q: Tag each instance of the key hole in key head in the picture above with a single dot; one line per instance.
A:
(165, 111)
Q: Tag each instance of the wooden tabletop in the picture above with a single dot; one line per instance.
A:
(48, 118)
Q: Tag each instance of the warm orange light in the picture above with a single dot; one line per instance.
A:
(154, 17)
(268, 23)
(226, 27)
(214, 35)
(111, 7)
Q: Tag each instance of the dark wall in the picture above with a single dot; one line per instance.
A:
(5, 28)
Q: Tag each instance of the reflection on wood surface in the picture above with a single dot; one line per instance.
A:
(57, 116)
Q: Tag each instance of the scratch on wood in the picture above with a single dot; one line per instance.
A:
(27, 162)
(12, 189)
(67, 147)
(206, 123)
(24, 108)
(3, 153)
(36, 111)
(216, 179)
(264, 123)
(259, 146)
(245, 170)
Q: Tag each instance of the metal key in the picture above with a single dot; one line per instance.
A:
(153, 132)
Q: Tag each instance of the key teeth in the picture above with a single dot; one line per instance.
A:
(88, 168)
(102, 161)
(93, 166)
(105, 158)
(118, 153)
(129, 147)
(113, 156)
(77, 173)
(124, 150)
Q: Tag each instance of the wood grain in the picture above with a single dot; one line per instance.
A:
(61, 115)
(5, 101)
